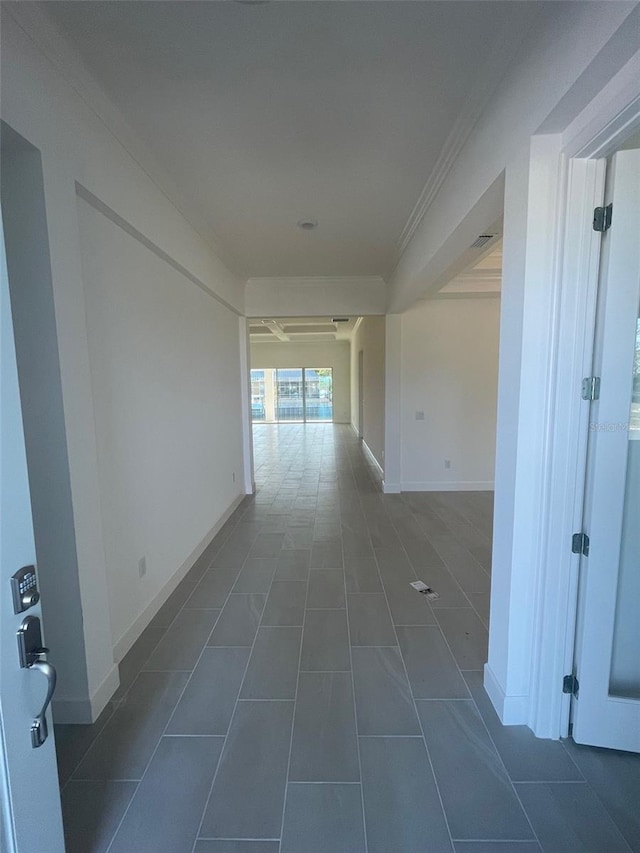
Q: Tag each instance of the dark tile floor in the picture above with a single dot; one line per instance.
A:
(296, 695)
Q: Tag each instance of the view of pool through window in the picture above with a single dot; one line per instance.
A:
(292, 394)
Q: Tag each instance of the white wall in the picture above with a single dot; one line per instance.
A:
(42, 105)
(513, 162)
(551, 79)
(369, 339)
(302, 297)
(166, 389)
(449, 373)
(334, 354)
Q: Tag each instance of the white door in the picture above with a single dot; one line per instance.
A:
(607, 709)
(29, 794)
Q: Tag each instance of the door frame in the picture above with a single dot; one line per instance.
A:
(361, 394)
(580, 175)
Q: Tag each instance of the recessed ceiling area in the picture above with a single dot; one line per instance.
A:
(482, 278)
(266, 115)
(301, 329)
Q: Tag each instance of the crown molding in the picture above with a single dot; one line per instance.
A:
(488, 275)
(34, 21)
(318, 281)
(357, 325)
(475, 103)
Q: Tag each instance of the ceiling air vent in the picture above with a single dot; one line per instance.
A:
(339, 319)
(482, 240)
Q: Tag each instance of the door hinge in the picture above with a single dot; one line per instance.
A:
(580, 544)
(602, 218)
(570, 685)
(591, 388)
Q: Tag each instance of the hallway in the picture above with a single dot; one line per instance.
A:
(296, 695)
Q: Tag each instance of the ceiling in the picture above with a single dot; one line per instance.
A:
(484, 277)
(302, 329)
(266, 114)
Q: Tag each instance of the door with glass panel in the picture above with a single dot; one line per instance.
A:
(318, 394)
(606, 711)
(292, 395)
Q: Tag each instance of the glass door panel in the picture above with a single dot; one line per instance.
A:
(318, 388)
(263, 396)
(625, 660)
(606, 711)
(289, 395)
(258, 412)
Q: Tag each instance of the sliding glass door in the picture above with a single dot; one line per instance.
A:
(318, 394)
(292, 395)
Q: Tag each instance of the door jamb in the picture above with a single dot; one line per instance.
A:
(583, 164)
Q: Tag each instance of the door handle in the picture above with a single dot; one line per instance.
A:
(30, 651)
(39, 728)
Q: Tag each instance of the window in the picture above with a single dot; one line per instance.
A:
(292, 395)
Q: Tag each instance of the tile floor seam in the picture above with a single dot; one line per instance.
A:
(415, 709)
(182, 692)
(355, 709)
(355, 496)
(504, 766)
(233, 713)
(455, 660)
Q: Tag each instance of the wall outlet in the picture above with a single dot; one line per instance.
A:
(447, 463)
(419, 416)
(142, 567)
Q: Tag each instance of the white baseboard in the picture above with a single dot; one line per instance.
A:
(391, 488)
(512, 710)
(373, 459)
(355, 429)
(87, 710)
(131, 635)
(449, 486)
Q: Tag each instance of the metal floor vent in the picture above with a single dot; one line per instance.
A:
(482, 240)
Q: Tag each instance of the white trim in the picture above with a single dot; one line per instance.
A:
(512, 710)
(568, 425)
(8, 840)
(390, 488)
(449, 486)
(356, 326)
(566, 433)
(477, 99)
(372, 458)
(44, 33)
(245, 404)
(317, 281)
(85, 711)
(122, 646)
(355, 429)
(98, 205)
(613, 114)
(466, 294)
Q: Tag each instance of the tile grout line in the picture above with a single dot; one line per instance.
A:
(121, 700)
(295, 708)
(481, 718)
(353, 699)
(233, 713)
(182, 692)
(415, 709)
